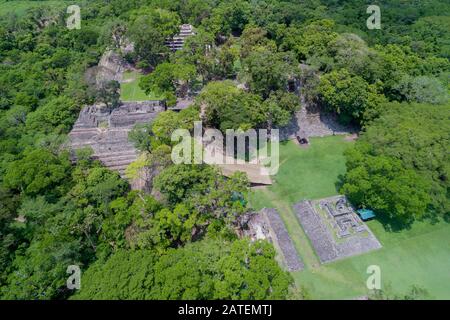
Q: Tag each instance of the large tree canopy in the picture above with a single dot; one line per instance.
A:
(401, 168)
(165, 80)
(266, 71)
(203, 270)
(149, 30)
(347, 95)
(228, 107)
(181, 241)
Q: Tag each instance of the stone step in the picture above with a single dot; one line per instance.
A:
(105, 155)
(77, 133)
(117, 160)
(115, 155)
(83, 126)
(105, 148)
(82, 144)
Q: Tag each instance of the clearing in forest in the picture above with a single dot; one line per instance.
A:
(130, 90)
(415, 256)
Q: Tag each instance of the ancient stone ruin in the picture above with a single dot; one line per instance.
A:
(110, 67)
(177, 42)
(106, 132)
(267, 224)
(334, 228)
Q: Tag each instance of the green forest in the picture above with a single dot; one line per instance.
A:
(392, 84)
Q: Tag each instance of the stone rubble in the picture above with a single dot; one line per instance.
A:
(291, 258)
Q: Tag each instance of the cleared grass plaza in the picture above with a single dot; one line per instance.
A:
(130, 90)
(419, 255)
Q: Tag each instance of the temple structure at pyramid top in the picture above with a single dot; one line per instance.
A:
(177, 42)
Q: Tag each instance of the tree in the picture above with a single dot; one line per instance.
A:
(422, 89)
(383, 184)
(114, 34)
(197, 52)
(168, 121)
(149, 165)
(195, 11)
(254, 38)
(310, 41)
(126, 275)
(166, 228)
(9, 238)
(201, 270)
(265, 71)
(59, 113)
(224, 61)
(398, 63)
(40, 273)
(167, 79)
(351, 52)
(212, 62)
(401, 168)
(430, 36)
(98, 186)
(346, 95)
(149, 31)
(109, 94)
(38, 172)
(279, 108)
(204, 190)
(250, 272)
(228, 17)
(179, 182)
(142, 137)
(227, 107)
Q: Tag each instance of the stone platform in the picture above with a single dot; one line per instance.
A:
(334, 229)
(106, 132)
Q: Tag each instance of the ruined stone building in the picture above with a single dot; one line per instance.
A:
(106, 132)
(177, 42)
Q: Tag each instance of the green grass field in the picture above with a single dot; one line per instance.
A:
(130, 91)
(20, 7)
(310, 173)
(416, 256)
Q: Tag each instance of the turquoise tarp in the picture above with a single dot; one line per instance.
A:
(366, 214)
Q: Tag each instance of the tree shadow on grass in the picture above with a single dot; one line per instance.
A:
(434, 217)
(391, 224)
(447, 217)
(339, 183)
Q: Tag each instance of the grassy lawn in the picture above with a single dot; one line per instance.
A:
(130, 91)
(419, 255)
(312, 172)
